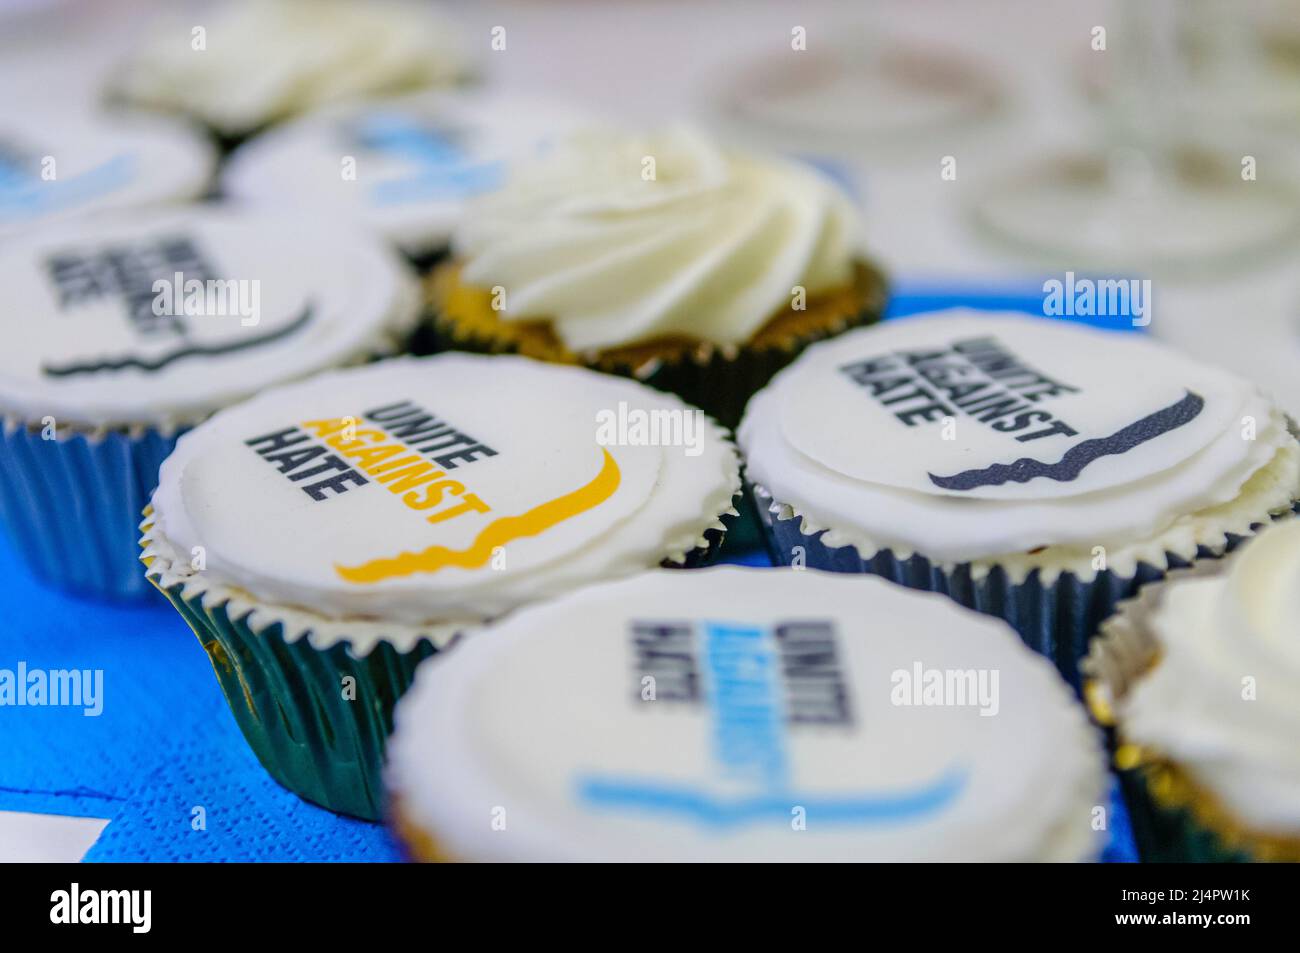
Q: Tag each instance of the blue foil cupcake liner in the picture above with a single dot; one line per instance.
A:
(71, 505)
(1056, 620)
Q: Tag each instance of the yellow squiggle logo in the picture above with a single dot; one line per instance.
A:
(497, 533)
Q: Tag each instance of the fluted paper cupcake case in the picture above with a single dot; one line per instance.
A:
(286, 685)
(71, 504)
(289, 700)
(1174, 820)
(316, 712)
(1056, 619)
(715, 379)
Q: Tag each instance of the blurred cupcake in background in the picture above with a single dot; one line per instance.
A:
(744, 715)
(124, 331)
(354, 523)
(1199, 676)
(55, 167)
(864, 93)
(402, 168)
(663, 257)
(238, 67)
(1035, 470)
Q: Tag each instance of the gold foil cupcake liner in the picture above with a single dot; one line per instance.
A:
(718, 379)
(1175, 818)
(417, 844)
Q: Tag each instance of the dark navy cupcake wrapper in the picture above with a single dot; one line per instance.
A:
(71, 505)
(1057, 620)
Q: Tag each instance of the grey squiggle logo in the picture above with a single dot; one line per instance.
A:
(153, 365)
(1079, 456)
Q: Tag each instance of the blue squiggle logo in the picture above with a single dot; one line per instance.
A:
(26, 196)
(749, 739)
(709, 810)
(443, 168)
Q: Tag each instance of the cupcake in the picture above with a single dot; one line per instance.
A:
(56, 167)
(665, 258)
(861, 95)
(1199, 677)
(745, 715)
(326, 536)
(1035, 470)
(402, 168)
(124, 331)
(246, 64)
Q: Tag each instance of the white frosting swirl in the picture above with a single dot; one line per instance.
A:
(263, 60)
(1237, 738)
(619, 238)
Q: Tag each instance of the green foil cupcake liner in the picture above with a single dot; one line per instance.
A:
(317, 733)
(71, 505)
(1171, 835)
(1056, 619)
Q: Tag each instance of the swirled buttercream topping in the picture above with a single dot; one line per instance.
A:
(618, 238)
(258, 61)
(1221, 702)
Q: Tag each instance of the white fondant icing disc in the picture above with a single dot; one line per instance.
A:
(742, 714)
(60, 166)
(452, 487)
(966, 436)
(142, 318)
(402, 168)
(1002, 408)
